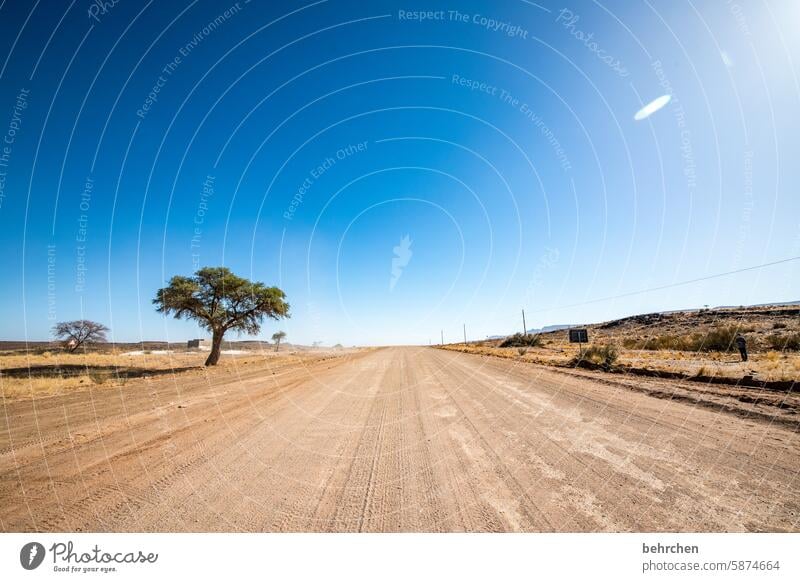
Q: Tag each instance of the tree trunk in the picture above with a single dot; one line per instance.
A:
(216, 346)
(277, 344)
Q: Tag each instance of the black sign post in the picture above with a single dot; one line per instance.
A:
(579, 336)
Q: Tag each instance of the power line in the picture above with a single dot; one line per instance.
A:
(669, 286)
(659, 288)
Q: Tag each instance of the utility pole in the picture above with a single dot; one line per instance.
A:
(465, 334)
(524, 327)
(442, 337)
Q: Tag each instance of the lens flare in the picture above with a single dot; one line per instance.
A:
(652, 107)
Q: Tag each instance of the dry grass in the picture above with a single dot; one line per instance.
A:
(519, 341)
(693, 343)
(769, 366)
(26, 375)
(603, 355)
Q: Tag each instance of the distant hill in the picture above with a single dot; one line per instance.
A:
(545, 329)
(549, 328)
(755, 319)
(758, 305)
(756, 322)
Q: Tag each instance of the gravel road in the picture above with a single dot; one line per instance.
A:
(394, 439)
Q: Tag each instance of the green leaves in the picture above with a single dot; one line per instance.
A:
(220, 300)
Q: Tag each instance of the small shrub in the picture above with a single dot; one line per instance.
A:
(522, 351)
(784, 343)
(605, 355)
(662, 342)
(121, 376)
(778, 325)
(519, 340)
(98, 377)
(716, 340)
(673, 342)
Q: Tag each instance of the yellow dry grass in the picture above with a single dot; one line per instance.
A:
(768, 365)
(28, 375)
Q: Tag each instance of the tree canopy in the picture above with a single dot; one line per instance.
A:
(74, 334)
(277, 337)
(220, 301)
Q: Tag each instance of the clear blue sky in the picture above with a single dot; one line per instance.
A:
(299, 143)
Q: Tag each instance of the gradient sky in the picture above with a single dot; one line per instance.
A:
(298, 143)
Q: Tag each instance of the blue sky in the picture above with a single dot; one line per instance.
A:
(298, 143)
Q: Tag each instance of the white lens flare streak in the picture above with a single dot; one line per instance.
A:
(652, 107)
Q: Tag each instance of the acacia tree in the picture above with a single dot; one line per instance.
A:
(74, 334)
(220, 301)
(277, 337)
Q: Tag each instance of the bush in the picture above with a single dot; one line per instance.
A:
(721, 339)
(784, 343)
(605, 355)
(716, 340)
(522, 351)
(98, 377)
(519, 340)
(778, 325)
(663, 342)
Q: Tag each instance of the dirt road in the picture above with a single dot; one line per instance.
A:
(397, 439)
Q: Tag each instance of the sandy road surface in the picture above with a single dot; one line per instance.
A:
(398, 439)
